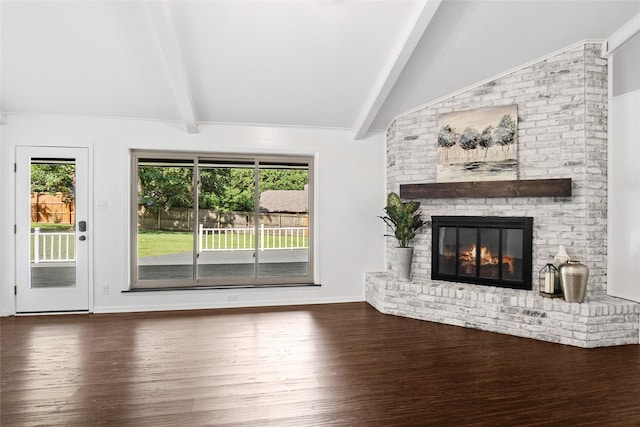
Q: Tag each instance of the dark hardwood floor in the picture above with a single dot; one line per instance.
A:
(320, 365)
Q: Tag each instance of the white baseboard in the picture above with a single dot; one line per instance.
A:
(221, 305)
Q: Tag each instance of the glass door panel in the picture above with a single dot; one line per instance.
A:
(284, 220)
(512, 256)
(489, 253)
(226, 226)
(53, 231)
(165, 220)
(447, 251)
(467, 246)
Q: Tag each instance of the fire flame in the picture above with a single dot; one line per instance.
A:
(485, 257)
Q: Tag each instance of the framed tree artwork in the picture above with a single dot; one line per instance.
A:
(478, 145)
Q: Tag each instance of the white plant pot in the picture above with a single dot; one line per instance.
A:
(404, 257)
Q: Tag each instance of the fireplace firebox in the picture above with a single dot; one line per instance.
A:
(492, 251)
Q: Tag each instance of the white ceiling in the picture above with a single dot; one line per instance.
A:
(299, 63)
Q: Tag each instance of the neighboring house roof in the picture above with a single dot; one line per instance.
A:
(292, 201)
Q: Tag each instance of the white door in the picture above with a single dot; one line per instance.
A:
(52, 233)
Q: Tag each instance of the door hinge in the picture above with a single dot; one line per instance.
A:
(15, 229)
(15, 167)
(15, 290)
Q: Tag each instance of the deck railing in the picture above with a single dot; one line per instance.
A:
(243, 239)
(59, 247)
(52, 247)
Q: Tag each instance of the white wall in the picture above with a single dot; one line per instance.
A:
(624, 156)
(624, 197)
(350, 192)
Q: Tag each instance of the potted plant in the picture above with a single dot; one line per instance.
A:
(404, 219)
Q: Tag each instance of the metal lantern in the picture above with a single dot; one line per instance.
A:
(548, 280)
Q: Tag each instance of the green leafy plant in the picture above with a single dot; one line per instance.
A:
(403, 218)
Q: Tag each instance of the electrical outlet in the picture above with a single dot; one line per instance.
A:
(102, 205)
(105, 289)
(232, 297)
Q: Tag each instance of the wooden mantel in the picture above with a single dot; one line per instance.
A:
(484, 189)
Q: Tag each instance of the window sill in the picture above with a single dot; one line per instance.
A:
(223, 287)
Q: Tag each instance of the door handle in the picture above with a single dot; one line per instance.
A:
(82, 238)
(82, 226)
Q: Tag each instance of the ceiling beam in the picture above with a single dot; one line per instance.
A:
(415, 28)
(623, 34)
(165, 31)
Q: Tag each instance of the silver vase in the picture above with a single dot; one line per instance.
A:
(573, 280)
(403, 263)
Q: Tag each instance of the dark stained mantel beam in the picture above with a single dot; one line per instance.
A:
(485, 189)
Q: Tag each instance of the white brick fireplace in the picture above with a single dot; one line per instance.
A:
(562, 119)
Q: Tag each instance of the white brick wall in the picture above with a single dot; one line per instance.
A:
(562, 133)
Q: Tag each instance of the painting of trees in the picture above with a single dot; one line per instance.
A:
(505, 134)
(485, 140)
(447, 138)
(469, 140)
(478, 144)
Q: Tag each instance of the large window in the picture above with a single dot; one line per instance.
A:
(229, 220)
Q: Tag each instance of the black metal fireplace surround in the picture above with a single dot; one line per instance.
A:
(483, 250)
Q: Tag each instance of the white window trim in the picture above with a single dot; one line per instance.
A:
(195, 283)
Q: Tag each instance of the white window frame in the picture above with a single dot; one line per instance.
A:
(227, 282)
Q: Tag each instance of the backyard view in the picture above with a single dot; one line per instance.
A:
(223, 240)
(52, 211)
(52, 237)
(224, 237)
(163, 242)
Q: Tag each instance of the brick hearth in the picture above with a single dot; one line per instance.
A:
(601, 322)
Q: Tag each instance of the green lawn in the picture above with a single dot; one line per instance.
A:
(158, 242)
(47, 227)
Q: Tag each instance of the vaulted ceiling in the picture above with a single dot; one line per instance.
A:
(339, 63)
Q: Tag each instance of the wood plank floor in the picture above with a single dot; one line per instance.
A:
(319, 365)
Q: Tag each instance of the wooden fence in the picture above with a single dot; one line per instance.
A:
(181, 219)
(52, 208)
